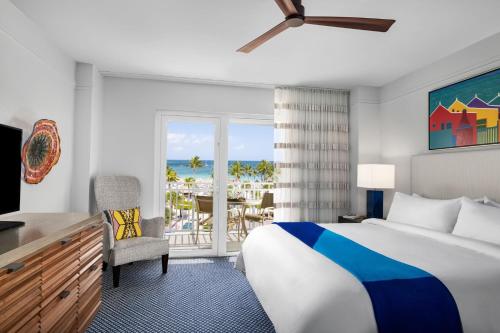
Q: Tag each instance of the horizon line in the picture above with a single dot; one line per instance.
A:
(187, 159)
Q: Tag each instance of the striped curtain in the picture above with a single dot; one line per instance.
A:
(311, 152)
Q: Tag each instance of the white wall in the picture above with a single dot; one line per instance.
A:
(37, 81)
(88, 130)
(130, 106)
(404, 109)
(97, 127)
(364, 138)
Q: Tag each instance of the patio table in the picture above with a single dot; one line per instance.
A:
(243, 205)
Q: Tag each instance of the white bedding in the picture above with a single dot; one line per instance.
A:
(303, 291)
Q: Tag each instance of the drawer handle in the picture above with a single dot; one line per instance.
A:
(65, 241)
(93, 267)
(64, 294)
(14, 267)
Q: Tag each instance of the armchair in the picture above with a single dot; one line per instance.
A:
(123, 192)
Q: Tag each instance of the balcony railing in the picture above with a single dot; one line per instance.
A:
(180, 206)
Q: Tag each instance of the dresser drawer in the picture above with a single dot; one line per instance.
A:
(89, 303)
(61, 263)
(21, 306)
(67, 323)
(89, 253)
(91, 273)
(20, 294)
(13, 276)
(31, 326)
(60, 249)
(91, 233)
(59, 306)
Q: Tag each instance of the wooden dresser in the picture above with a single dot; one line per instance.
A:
(50, 277)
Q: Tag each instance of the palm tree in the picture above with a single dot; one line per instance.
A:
(189, 181)
(248, 170)
(196, 163)
(171, 175)
(236, 170)
(265, 169)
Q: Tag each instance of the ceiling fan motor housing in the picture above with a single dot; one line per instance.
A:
(294, 21)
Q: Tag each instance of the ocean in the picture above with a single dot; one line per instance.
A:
(183, 170)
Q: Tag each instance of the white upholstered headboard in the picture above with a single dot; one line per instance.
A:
(473, 173)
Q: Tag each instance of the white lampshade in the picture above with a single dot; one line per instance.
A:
(376, 176)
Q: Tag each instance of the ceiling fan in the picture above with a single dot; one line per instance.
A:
(295, 17)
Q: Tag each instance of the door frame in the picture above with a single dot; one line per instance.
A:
(220, 169)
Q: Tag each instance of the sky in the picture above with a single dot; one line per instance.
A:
(246, 142)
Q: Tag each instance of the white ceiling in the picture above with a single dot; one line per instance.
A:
(198, 38)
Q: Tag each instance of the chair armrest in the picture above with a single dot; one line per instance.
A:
(154, 227)
(108, 241)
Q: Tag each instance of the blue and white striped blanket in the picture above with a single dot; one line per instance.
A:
(404, 298)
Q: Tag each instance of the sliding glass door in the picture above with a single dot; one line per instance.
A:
(190, 183)
(250, 183)
(215, 180)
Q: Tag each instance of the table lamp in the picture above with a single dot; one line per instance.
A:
(375, 177)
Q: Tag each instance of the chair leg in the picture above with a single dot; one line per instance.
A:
(164, 263)
(197, 232)
(238, 229)
(104, 266)
(116, 276)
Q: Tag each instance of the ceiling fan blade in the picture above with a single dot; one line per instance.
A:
(287, 7)
(264, 38)
(359, 23)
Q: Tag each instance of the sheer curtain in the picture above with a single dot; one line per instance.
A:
(311, 152)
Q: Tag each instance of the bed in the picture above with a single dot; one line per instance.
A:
(302, 290)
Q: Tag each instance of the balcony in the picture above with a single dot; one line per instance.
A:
(182, 214)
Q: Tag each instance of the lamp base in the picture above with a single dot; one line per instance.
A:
(375, 204)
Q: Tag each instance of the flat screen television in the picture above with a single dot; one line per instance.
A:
(10, 168)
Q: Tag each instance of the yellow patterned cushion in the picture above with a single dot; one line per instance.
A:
(126, 223)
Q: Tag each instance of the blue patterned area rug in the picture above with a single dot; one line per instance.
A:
(196, 295)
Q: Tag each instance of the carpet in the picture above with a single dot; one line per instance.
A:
(196, 295)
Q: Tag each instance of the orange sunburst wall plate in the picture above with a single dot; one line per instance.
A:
(41, 151)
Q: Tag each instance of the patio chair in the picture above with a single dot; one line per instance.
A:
(204, 205)
(123, 192)
(264, 212)
(234, 219)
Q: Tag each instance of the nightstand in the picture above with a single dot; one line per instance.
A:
(357, 219)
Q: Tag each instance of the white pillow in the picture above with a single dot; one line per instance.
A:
(481, 222)
(489, 202)
(480, 200)
(439, 215)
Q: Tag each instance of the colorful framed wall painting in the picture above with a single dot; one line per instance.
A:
(466, 113)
